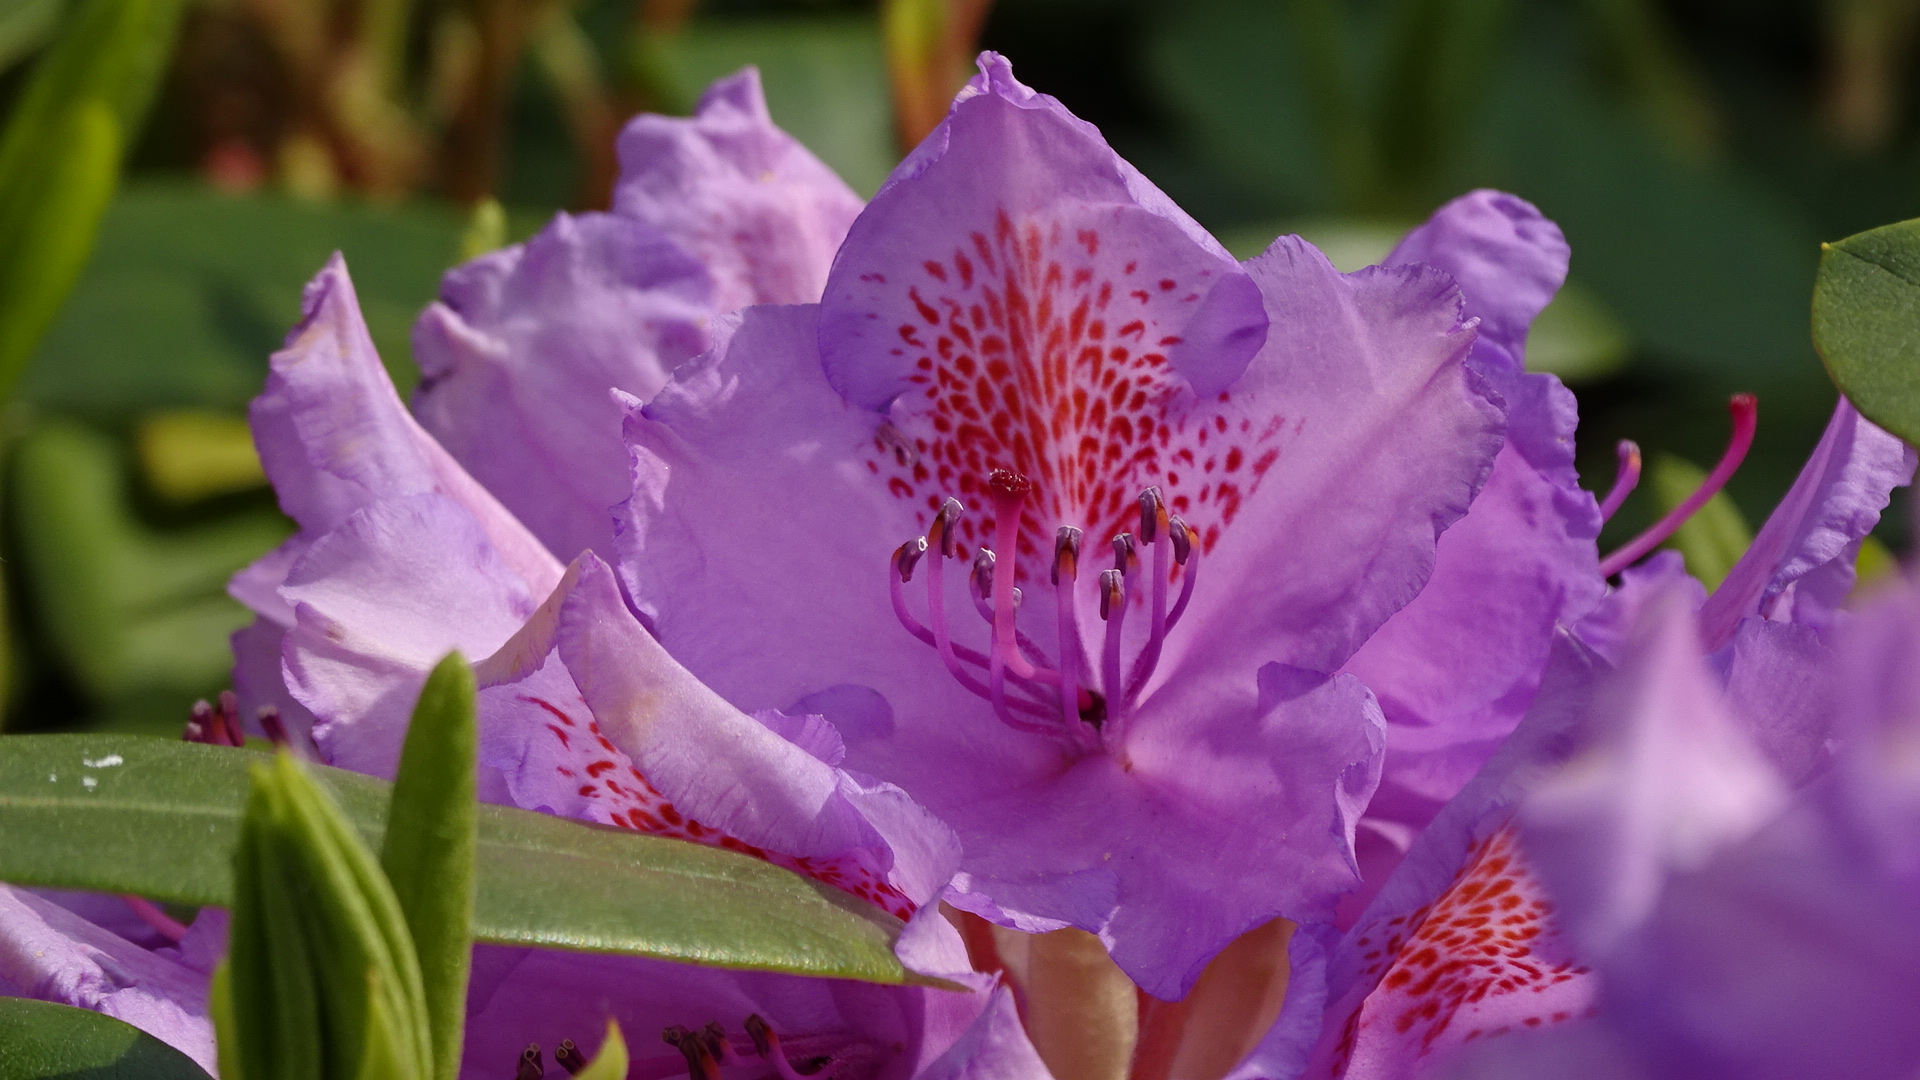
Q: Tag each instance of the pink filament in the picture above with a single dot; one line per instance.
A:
(1744, 410)
(150, 913)
(1624, 480)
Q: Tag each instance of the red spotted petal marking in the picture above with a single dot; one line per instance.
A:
(1031, 356)
(615, 793)
(1483, 959)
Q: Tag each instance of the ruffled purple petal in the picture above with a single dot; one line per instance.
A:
(518, 354)
(50, 954)
(759, 211)
(1800, 566)
(334, 436)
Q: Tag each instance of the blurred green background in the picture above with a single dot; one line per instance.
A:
(1695, 151)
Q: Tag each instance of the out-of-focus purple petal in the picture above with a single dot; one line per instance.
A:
(50, 954)
(738, 194)
(1607, 628)
(1800, 565)
(1666, 779)
(1780, 681)
(518, 354)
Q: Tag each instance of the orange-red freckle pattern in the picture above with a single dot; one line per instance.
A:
(1028, 354)
(1483, 959)
(616, 793)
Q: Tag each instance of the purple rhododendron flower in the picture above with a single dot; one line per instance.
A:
(1662, 733)
(1161, 753)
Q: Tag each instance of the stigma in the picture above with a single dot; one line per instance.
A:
(1072, 693)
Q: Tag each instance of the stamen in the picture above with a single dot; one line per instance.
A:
(1009, 497)
(1113, 608)
(1625, 479)
(1182, 536)
(150, 913)
(530, 1067)
(1066, 568)
(569, 1057)
(216, 725)
(1154, 527)
(767, 1042)
(718, 1045)
(700, 1062)
(270, 722)
(1744, 410)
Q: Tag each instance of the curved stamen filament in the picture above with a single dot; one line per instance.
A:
(1624, 480)
(1744, 410)
(767, 1042)
(1066, 568)
(1154, 529)
(1113, 608)
(1182, 536)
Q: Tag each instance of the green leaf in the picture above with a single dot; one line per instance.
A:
(25, 25)
(1715, 537)
(42, 1041)
(308, 886)
(126, 607)
(1866, 323)
(157, 818)
(60, 158)
(428, 854)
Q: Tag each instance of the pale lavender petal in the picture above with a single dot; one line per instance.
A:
(1800, 565)
(517, 356)
(758, 539)
(738, 194)
(334, 436)
(1202, 835)
(378, 602)
(1375, 439)
(1781, 687)
(1456, 669)
(1667, 779)
(1607, 628)
(50, 954)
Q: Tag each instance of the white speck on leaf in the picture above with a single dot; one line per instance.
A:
(107, 762)
(89, 782)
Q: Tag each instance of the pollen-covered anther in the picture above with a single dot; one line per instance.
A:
(216, 724)
(1153, 515)
(1113, 593)
(1126, 553)
(530, 1066)
(1066, 554)
(907, 556)
(766, 1042)
(940, 533)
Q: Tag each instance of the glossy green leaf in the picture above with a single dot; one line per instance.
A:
(1715, 537)
(307, 885)
(428, 853)
(160, 819)
(41, 1041)
(1866, 323)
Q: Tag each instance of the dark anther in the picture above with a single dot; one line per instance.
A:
(940, 533)
(1094, 712)
(1113, 591)
(530, 1066)
(216, 725)
(907, 556)
(692, 1046)
(983, 572)
(1153, 515)
(569, 1057)
(1126, 554)
(1066, 553)
(271, 724)
(716, 1040)
(1182, 537)
(761, 1032)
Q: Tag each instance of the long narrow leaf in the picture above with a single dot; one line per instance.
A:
(158, 818)
(428, 854)
(42, 1041)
